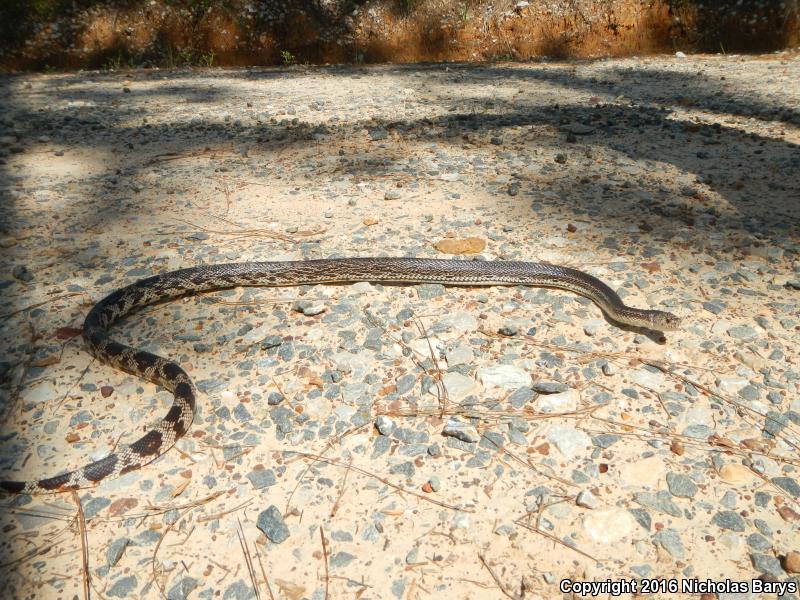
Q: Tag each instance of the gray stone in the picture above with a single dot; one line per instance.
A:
(123, 587)
(427, 291)
(94, 506)
(605, 440)
(766, 563)
(521, 397)
(758, 542)
(788, 484)
(261, 478)
(742, 332)
(681, 485)
(670, 540)
(182, 588)
(727, 519)
(660, 501)
(642, 517)
(239, 590)
(116, 550)
(271, 522)
(461, 431)
(404, 468)
(341, 559)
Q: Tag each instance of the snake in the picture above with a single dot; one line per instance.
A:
(204, 278)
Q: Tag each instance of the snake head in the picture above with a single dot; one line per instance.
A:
(663, 321)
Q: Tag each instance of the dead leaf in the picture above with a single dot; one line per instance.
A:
(788, 515)
(67, 333)
(651, 267)
(470, 245)
(46, 361)
(291, 590)
(121, 506)
(180, 488)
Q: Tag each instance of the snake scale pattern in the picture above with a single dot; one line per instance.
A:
(174, 284)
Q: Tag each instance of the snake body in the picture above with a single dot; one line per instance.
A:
(174, 284)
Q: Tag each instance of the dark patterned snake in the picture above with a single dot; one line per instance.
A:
(170, 375)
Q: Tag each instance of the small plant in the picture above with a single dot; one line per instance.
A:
(185, 56)
(463, 12)
(207, 58)
(114, 63)
(288, 58)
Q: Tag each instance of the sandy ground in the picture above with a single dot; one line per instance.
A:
(317, 466)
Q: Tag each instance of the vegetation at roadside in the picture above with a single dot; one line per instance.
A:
(119, 34)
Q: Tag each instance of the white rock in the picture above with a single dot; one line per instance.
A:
(362, 287)
(505, 376)
(699, 415)
(610, 525)
(680, 54)
(347, 362)
(648, 379)
(385, 425)
(569, 441)
(730, 384)
(460, 321)
(587, 499)
(558, 403)
(642, 473)
(730, 540)
(458, 386)
(721, 327)
(318, 408)
(459, 355)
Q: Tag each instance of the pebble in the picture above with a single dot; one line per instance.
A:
(743, 332)
(587, 499)
(735, 473)
(22, 273)
(385, 425)
(791, 562)
(739, 313)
